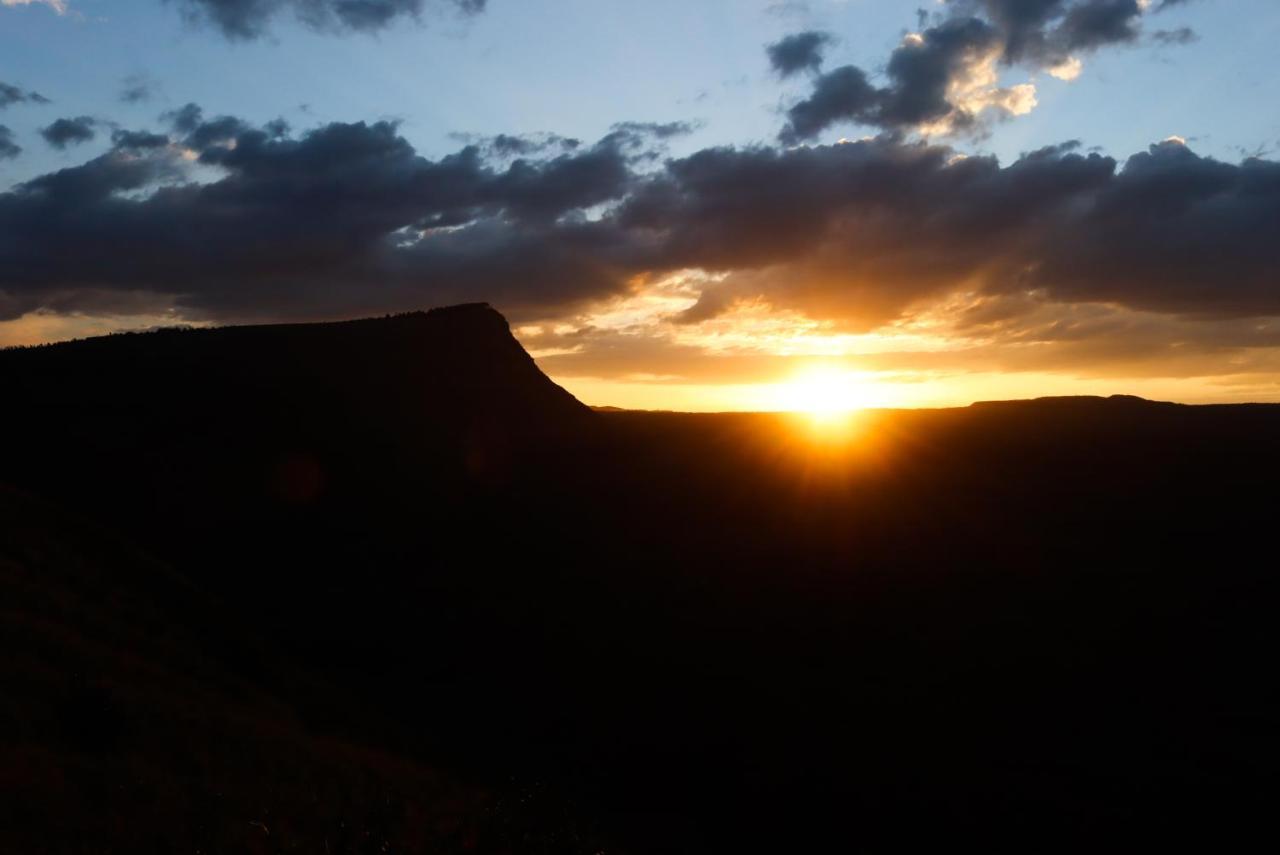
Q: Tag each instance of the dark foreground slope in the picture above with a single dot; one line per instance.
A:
(1036, 625)
(136, 719)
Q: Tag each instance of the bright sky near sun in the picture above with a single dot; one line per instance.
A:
(655, 265)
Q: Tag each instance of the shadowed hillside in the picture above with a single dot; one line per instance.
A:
(139, 715)
(1031, 625)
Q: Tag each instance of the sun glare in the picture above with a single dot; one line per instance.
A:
(822, 393)
(827, 398)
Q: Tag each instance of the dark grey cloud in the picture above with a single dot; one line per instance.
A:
(1174, 232)
(8, 148)
(347, 216)
(503, 146)
(525, 145)
(69, 131)
(1095, 23)
(920, 73)
(1048, 31)
(1175, 37)
(349, 219)
(184, 119)
(799, 52)
(864, 229)
(197, 132)
(931, 77)
(10, 95)
(126, 140)
(251, 19)
(841, 95)
(656, 130)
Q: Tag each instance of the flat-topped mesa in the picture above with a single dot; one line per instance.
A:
(1074, 402)
(443, 372)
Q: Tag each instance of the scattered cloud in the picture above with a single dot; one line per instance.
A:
(10, 95)
(799, 52)
(8, 148)
(69, 131)
(251, 19)
(347, 219)
(946, 78)
(1176, 37)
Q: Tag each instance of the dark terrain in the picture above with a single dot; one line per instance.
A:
(382, 586)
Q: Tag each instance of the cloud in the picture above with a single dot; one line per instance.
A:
(799, 52)
(637, 131)
(59, 6)
(126, 140)
(74, 131)
(251, 19)
(346, 218)
(518, 145)
(842, 95)
(1047, 32)
(1175, 37)
(8, 148)
(945, 79)
(10, 95)
(789, 9)
(137, 88)
(941, 80)
(349, 219)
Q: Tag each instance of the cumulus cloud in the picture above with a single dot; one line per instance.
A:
(945, 79)
(799, 52)
(939, 81)
(69, 131)
(250, 19)
(346, 218)
(863, 230)
(349, 219)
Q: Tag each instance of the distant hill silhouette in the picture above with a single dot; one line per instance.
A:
(1028, 626)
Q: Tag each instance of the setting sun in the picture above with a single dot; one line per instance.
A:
(823, 393)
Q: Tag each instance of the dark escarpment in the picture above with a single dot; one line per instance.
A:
(256, 418)
(454, 367)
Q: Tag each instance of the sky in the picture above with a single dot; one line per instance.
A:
(712, 205)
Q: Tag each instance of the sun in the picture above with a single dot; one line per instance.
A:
(821, 392)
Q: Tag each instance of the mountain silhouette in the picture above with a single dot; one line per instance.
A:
(1031, 625)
